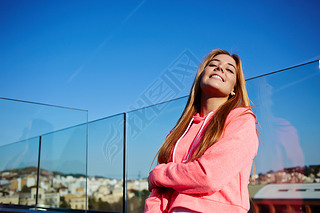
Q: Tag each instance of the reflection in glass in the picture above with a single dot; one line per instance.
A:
(286, 106)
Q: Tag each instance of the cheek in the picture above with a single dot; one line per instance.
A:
(205, 71)
(202, 76)
(233, 82)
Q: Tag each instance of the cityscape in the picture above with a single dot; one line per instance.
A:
(58, 190)
(298, 174)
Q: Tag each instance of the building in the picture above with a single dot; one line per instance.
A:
(298, 197)
(76, 202)
(52, 199)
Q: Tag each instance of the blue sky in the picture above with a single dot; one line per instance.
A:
(101, 55)
(104, 55)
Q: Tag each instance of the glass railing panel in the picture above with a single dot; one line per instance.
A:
(285, 103)
(18, 172)
(21, 120)
(63, 169)
(105, 164)
(286, 106)
(25, 121)
(147, 129)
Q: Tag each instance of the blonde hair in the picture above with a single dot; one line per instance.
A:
(216, 126)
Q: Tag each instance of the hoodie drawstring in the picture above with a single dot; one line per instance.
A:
(185, 132)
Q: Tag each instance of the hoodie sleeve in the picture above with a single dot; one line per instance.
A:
(218, 165)
(158, 200)
(153, 202)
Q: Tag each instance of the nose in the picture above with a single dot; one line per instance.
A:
(220, 68)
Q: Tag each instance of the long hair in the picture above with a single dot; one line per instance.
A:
(215, 127)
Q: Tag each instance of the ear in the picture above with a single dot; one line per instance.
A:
(233, 93)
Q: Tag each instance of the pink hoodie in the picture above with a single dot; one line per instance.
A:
(215, 182)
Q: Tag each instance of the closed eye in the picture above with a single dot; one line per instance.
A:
(230, 70)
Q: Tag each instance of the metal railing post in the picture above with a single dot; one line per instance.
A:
(38, 173)
(124, 205)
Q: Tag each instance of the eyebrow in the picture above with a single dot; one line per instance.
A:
(227, 63)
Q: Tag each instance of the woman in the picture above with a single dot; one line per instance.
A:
(205, 161)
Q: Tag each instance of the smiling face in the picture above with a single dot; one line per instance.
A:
(219, 76)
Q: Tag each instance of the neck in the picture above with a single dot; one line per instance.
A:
(208, 104)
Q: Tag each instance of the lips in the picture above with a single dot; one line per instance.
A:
(217, 77)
